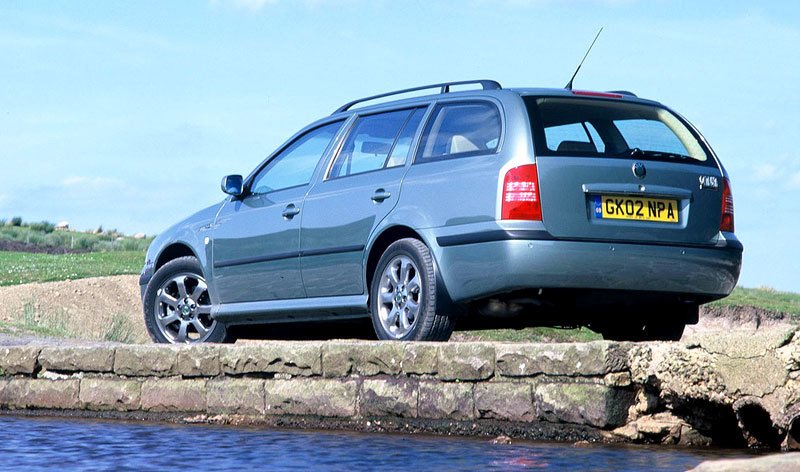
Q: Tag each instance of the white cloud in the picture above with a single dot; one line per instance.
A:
(258, 5)
(251, 5)
(764, 172)
(794, 181)
(537, 3)
(91, 182)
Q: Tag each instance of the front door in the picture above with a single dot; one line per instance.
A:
(256, 239)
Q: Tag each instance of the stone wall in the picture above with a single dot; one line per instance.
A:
(728, 390)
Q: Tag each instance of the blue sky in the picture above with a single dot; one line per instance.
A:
(128, 114)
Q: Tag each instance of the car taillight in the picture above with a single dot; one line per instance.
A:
(726, 223)
(521, 194)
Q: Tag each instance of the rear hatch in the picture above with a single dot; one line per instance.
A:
(612, 168)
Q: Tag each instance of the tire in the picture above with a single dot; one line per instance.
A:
(177, 307)
(403, 295)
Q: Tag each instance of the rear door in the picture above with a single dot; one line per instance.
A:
(611, 169)
(359, 189)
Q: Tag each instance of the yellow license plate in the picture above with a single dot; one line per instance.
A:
(635, 208)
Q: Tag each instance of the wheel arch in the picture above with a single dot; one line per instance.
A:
(395, 233)
(381, 243)
(173, 251)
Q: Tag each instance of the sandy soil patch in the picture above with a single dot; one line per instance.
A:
(86, 308)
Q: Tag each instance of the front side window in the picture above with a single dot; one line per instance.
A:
(460, 130)
(295, 165)
(611, 128)
(376, 142)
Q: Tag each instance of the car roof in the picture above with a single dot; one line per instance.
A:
(498, 93)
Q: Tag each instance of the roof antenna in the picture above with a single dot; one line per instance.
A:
(569, 84)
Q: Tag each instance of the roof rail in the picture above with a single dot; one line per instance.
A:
(623, 92)
(444, 88)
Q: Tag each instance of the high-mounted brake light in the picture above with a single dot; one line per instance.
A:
(521, 194)
(589, 93)
(726, 223)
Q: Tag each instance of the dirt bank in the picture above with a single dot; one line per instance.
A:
(86, 308)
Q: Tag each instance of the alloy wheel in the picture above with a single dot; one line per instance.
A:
(183, 309)
(400, 296)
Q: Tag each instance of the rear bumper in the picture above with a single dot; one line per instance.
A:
(503, 263)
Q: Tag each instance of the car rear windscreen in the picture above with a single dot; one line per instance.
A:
(566, 126)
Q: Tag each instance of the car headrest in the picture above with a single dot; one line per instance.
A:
(460, 143)
(576, 146)
(374, 147)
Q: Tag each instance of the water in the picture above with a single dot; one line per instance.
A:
(88, 445)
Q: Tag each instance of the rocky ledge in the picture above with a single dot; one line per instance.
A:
(726, 389)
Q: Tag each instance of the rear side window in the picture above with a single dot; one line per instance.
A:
(459, 130)
(376, 142)
(610, 128)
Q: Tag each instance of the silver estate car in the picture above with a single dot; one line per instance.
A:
(541, 206)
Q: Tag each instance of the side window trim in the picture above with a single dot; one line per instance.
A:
(429, 115)
(353, 123)
(397, 138)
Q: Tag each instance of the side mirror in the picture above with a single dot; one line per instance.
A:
(233, 185)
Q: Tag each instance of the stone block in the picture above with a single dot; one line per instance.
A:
(200, 360)
(3, 384)
(291, 358)
(341, 359)
(739, 343)
(110, 394)
(466, 361)
(563, 359)
(38, 393)
(146, 360)
(446, 400)
(421, 359)
(320, 397)
(168, 395)
(590, 404)
(18, 359)
(617, 379)
(755, 376)
(338, 359)
(389, 397)
(77, 358)
(236, 396)
(505, 401)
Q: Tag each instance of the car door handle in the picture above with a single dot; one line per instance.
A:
(290, 211)
(380, 195)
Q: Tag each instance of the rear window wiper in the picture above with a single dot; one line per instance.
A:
(636, 152)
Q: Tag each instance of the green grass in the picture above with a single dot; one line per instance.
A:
(765, 298)
(538, 334)
(21, 267)
(32, 322)
(119, 331)
(20, 329)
